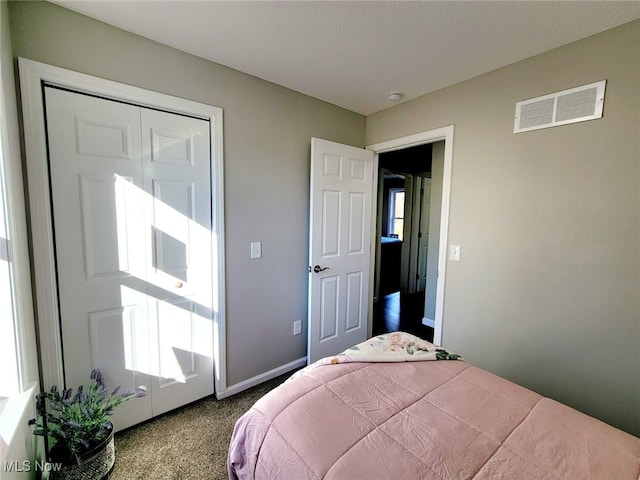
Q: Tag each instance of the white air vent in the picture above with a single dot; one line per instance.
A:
(569, 106)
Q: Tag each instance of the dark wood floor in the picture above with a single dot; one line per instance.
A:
(401, 311)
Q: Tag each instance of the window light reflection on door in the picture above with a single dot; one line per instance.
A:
(177, 330)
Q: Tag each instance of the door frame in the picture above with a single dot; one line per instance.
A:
(430, 136)
(33, 75)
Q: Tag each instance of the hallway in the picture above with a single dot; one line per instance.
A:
(401, 311)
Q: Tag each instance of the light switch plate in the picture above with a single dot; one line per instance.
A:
(256, 249)
(454, 253)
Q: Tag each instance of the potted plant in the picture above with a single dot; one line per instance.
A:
(77, 428)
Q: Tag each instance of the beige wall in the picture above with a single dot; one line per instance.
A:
(267, 132)
(547, 292)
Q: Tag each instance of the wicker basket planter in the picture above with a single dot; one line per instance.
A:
(78, 428)
(96, 464)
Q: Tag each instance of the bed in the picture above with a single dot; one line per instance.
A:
(386, 410)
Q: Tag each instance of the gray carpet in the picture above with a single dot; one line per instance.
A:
(188, 443)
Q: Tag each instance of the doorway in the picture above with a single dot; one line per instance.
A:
(365, 228)
(403, 232)
(441, 144)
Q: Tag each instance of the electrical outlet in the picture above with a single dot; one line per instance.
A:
(297, 327)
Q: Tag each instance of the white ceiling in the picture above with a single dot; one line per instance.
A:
(352, 54)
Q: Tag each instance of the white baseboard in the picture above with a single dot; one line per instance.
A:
(258, 379)
(429, 322)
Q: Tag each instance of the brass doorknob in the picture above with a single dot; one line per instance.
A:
(178, 284)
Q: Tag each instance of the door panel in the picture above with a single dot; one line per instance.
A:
(176, 179)
(107, 138)
(329, 311)
(340, 242)
(177, 361)
(331, 201)
(356, 223)
(171, 147)
(106, 249)
(122, 362)
(173, 209)
(92, 145)
(355, 302)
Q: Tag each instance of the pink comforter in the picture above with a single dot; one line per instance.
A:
(422, 420)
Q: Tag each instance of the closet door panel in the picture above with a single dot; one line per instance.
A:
(176, 169)
(96, 180)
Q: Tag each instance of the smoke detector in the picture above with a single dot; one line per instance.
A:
(394, 96)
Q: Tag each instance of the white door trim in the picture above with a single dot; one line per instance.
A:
(431, 136)
(32, 76)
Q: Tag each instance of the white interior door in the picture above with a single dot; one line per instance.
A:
(340, 247)
(131, 207)
(423, 235)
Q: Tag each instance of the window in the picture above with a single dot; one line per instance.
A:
(9, 373)
(396, 212)
(18, 354)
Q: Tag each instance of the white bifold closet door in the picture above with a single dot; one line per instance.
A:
(131, 203)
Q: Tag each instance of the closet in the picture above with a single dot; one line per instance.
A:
(131, 206)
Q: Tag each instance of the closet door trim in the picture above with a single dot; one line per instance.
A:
(33, 75)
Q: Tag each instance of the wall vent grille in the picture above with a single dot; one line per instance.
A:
(561, 108)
